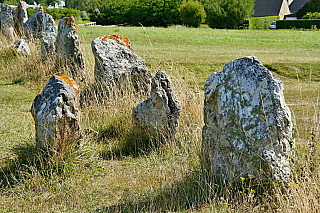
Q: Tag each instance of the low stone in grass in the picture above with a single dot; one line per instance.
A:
(48, 37)
(7, 20)
(69, 53)
(56, 114)
(248, 127)
(22, 46)
(117, 66)
(160, 113)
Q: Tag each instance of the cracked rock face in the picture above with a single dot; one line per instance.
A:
(48, 37)
(7, 20)
(33, 26)
(22, 46)
(20, 17)
(117, 65)
(56, 114)
(160, 113)
(248, 127)
(69, 51)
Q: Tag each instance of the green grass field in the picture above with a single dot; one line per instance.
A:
(118, 170)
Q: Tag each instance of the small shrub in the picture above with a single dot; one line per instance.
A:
(84, 16)
(228, 14)
(310, 15)
(192, 13)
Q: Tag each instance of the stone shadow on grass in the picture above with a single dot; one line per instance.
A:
(192, 193)
(197, 191)
(133, 142)
(27, 161)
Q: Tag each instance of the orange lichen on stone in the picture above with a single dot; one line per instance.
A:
(120, 39)
(70, 82)
(70, 21)
(42, 10)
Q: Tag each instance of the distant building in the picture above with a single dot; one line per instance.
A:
(279, 8)
(59, 5)
(34, 6)
(297, 5)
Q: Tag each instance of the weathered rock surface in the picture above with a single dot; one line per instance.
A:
(48, 37)
(117, 65)
(56, 114)
(33, 26)
(69, 51)
(7, 20)
(21, 17)
(22, 46)
(248, 127)
(160, 113)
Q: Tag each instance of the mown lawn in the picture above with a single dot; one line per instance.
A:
(116, 170)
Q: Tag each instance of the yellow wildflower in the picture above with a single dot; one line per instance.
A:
(294, 185)
(250, 176)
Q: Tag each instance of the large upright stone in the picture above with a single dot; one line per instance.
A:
(69, 51)
(7, 20)
(21, 17)
(248, 127)
(56, 114)
(117, 65)
(33, 26)
(48, 37)
(160, 113)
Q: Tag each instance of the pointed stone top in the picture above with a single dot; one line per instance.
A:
(41, 10)
(70, 22)
(70, 82)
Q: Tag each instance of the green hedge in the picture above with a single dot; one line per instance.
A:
(300, 23)
(136, 12)
(261, 23)
(57, 13)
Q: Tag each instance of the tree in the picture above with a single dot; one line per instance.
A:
(155, 12)
(192, 13)
(311, 6)
(228, 13)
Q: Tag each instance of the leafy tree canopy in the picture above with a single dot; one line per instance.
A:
(228, 13)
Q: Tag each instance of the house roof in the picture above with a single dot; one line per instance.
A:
(267, 8)
(297, 4)
(277, 7)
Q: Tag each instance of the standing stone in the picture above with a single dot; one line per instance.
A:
(7, 20)
(69, 51)
(33, 26)
(160, 113)
(22, 46)
(56, 114)
(48, 37)
(117, 65)
(21, 17)
(248, 127)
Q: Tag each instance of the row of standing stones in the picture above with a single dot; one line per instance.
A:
(248, 126)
